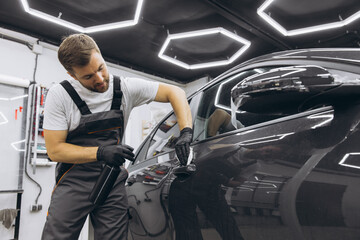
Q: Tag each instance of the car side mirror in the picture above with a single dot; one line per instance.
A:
(281, 90)
(184, 171)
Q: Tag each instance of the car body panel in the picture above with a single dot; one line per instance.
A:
(293, 176)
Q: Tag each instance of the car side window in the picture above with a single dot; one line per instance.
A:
(164, 138)
(259, 95)
(214, 112)
(160, 140)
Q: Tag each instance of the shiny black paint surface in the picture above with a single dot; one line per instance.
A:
(295, 177)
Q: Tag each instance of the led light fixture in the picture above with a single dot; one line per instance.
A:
(315, 28)
(78, 28)
(198, 33)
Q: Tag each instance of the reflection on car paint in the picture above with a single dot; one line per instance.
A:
(352, 159)
(284, 175)
(266, 139)
(328, 118)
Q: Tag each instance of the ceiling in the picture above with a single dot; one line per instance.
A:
(137, 46)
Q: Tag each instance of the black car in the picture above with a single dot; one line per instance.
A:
(275, 155)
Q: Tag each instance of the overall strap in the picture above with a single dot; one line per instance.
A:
(116, 103)
(84, 109)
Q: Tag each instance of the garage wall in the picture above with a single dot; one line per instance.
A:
(17, 60)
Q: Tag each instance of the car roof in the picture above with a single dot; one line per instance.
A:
(349, 55)
(336, 55)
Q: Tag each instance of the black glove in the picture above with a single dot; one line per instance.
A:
(182, 146)
(115, 155)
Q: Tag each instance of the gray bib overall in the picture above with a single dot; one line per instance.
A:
(69, 204)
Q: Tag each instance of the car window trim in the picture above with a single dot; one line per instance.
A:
(267, 123)
(147, 162)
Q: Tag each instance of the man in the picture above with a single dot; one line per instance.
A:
(84, 122)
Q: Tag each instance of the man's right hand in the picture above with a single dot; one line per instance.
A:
(115, 155)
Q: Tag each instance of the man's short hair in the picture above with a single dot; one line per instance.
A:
(75, 51)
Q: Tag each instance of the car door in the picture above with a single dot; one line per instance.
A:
(257, 171)
(326, 203)
(269, 168)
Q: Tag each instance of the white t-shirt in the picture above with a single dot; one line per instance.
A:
(61, 113)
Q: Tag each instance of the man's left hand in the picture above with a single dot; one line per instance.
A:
(182, 146)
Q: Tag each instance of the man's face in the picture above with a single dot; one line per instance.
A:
(93, 76)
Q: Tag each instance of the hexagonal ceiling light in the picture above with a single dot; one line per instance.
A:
(315, 28)
(98, 28)
(218, 30)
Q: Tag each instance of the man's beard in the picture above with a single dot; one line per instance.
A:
(102, 89)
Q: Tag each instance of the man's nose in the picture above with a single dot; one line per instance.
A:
(99, 77)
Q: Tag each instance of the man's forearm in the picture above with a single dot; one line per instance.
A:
(70, 153)
(181, 108)
(176, 96)
(183, 117)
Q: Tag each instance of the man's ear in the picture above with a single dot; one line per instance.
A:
(72, 75)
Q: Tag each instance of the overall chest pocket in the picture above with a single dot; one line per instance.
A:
(103, 121)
